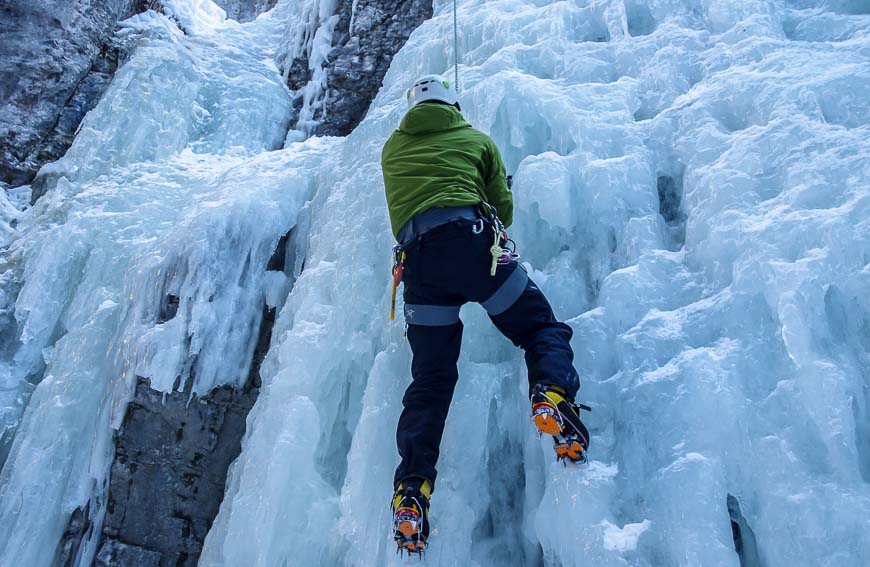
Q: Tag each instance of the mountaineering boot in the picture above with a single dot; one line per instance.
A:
(555, 414)
(411, 515)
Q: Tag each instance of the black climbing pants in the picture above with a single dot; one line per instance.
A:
(445, 268)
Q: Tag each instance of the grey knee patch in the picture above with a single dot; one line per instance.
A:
(508, 293)
(431, 315)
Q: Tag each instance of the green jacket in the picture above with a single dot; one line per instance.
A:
(436, 159)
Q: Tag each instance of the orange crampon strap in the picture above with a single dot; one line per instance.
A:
(408, 525)
(547, 418)
(408, 521)
(410, 508)
(554, 415)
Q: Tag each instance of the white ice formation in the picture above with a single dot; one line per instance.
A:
(692, 195)
(309, 37)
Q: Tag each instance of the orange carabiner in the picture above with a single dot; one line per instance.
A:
(398, 270)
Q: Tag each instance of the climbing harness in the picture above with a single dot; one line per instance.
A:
(398, 270)
(503, 249)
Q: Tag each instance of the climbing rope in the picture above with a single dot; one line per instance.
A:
(455, 48)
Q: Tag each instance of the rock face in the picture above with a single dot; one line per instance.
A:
(172, 456)
(167, 480)
(116, 553)
(360, 57)
(245, 10)
(47, 48)
(84, 98)
(173, 451)
(56, 61)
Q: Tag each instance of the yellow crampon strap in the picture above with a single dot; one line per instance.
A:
(425, 490)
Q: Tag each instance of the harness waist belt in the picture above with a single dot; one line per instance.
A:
(430, 218)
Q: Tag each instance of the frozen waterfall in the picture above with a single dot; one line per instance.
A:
(692, 189)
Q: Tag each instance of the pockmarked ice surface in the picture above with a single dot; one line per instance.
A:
(692, 193)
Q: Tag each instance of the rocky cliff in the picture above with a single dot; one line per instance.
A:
(172, 451)
(47, 50)
(368, 35)
(245, 10)
(56, 60)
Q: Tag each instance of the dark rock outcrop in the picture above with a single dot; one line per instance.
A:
(114, 553)
(172, 457)
(359, 58)
(47, 48)
(167, 480)
(56, 61)
(245, 10)
(84, 98)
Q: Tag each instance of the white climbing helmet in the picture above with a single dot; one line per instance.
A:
(431, 87)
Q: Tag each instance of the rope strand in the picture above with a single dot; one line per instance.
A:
(455, 48)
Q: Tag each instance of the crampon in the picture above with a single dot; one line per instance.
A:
(410, 518)
(553, 414)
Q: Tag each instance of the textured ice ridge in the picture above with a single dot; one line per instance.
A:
(691, 191)
(691, 186)
(167, 191)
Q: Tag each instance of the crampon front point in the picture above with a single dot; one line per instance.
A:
(547, 418)
(408, 525)
(410, 517)
(555, 415)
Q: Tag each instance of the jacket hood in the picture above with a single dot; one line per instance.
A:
(427, 117)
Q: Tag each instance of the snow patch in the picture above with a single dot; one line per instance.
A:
(195, 17)
(625, 538)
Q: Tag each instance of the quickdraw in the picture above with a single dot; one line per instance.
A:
(398, 269)
(503, 249)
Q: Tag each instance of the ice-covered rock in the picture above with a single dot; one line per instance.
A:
(336, 56)
(46, 49)
(141, 209)
(365, 40)
(245, 10)
(681, 184)
(691, 194)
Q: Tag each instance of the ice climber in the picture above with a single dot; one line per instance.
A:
(449, 202)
